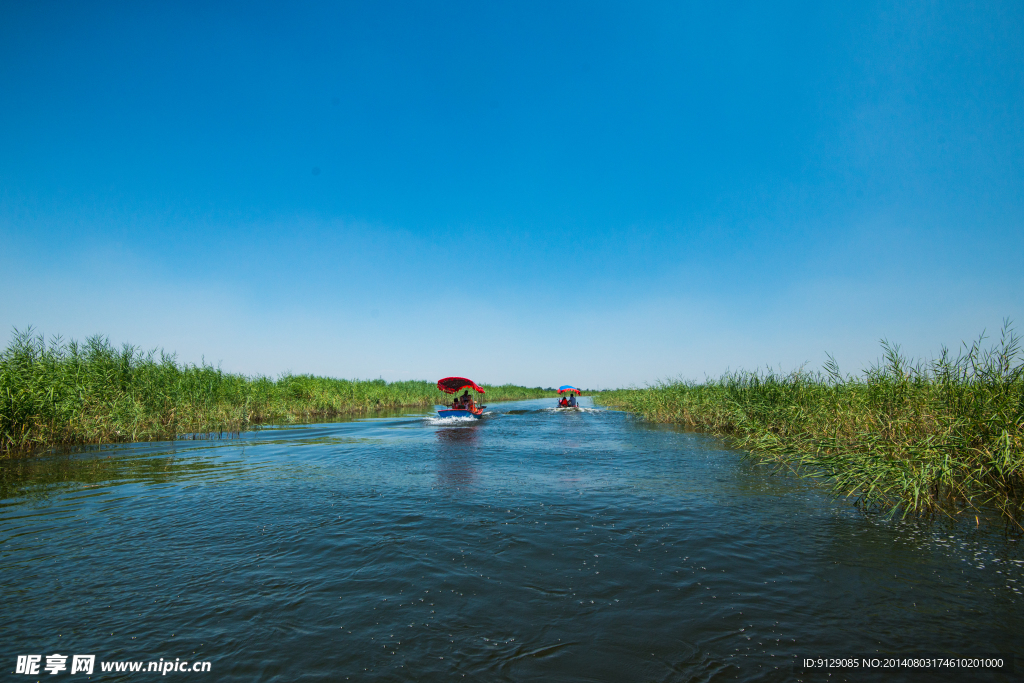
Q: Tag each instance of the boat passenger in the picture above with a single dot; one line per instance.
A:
(563, 403)
(466, 400)
(572, 400)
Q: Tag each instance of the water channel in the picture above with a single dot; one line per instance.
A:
(530, 545)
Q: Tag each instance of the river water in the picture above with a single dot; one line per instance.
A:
(531, 545)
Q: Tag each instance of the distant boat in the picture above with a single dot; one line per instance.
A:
(572, 391)
(453, 385)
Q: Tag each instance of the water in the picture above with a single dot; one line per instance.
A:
(530, 545)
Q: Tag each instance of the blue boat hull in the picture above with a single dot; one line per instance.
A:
(459, 413)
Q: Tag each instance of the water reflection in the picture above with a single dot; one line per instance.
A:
(39, 478)
(456, 456)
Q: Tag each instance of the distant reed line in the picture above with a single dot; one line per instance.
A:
(62, 394)
(939, 436)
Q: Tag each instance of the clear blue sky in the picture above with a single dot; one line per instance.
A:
(600, 194)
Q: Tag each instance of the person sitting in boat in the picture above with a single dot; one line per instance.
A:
(564, 403)
(466, 401)
(572, 400)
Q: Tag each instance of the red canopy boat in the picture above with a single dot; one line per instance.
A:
(453, 385)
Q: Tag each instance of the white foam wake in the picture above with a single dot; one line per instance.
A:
(450, 420)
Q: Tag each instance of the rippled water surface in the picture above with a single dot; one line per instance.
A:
(530, 545)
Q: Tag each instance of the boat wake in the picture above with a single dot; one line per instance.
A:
(441, 421)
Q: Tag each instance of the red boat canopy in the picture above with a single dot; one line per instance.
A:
(452, 385)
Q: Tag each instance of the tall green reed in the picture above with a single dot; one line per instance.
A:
(65, 393)
(942, 436)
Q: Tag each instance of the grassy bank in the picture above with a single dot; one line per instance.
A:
(65, 394)
(945, 435)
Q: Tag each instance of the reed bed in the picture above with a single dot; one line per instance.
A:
(62, 394)
(942, 436)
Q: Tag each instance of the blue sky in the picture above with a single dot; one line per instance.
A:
(600, 194)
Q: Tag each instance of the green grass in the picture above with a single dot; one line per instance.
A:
(942, 436)
(61, 394)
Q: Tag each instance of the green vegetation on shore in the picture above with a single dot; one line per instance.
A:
(66, 394)
(940, 436)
